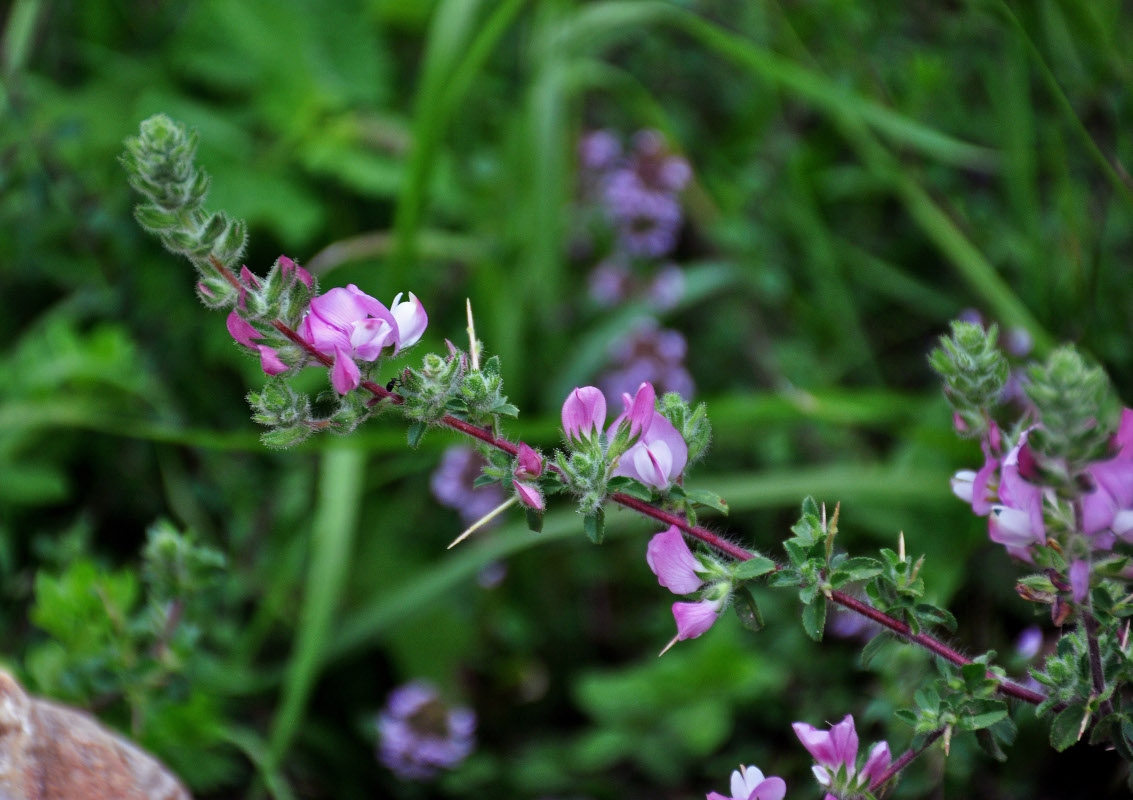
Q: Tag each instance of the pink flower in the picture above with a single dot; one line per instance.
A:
(270, 361)
(832, 749)
(836, 752)
(349, 320)
(694, 619)
(348, 324)
(242, 330)
(658, 457)
(1017, 520)
(673, 563)
(641, 409)
(246, 334)
(748, 783)
(876, 763)
(677, 570)
(411, 319)
(529, 495)
(530, 463)
(1107, 509)
(584, 413)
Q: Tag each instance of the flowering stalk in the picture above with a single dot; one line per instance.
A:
(902, 629)
(639, 461)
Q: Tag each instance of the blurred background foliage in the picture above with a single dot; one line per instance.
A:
(862, 173)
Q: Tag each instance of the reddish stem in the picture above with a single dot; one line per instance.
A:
(904, 761)
(646, 509)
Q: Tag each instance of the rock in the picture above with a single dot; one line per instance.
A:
(52, 752)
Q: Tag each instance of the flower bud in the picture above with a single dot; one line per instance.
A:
(584, 413)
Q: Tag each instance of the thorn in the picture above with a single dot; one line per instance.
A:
(901, 546)
(478, 523)
(675, 639)
(824, 517)
(473, 345)
(834, 519)
(1125, 636)
(947, 740)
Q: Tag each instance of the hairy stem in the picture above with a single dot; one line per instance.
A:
(711, 539)
(905, 759)
(1096, 674)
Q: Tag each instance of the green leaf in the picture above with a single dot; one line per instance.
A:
(748, 610)
(752, 568)
(939, 616)
(416, 434)
(1066, 728)
(872, 648)
(977, 722)
(906, 716)
(633, 488)
(795, 552)
(814, 619)
(810, 508)
(534, 520)
(595, 525)
(703, 497)
(861, 568)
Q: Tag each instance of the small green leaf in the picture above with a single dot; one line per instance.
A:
(977, 722)
(1066, 728)
(416, 434)
(634, 488)
(752, 568)
(534, 520)
(703, 497)
(814, 618)
(861, 568)
(595, 525)
(810, 507)
(748, 610)
(872, 648)
(906, 716)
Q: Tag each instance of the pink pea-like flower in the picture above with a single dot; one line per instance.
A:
(676, 568)
(529, 495)
(836, 750)
(693, 619)
(349, 324)
(584, 413)
(530, 463)
(673, 563)
(748, 783)
(660, 454)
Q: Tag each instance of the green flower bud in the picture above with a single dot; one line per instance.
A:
(974, 372)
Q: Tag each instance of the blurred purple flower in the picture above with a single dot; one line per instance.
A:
(667, 287)
(598, 150)
(610, 282)
(1029, 643)
(647, 221)
(452, 484)
(613, 282)
(418, 735)
(651, 354)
